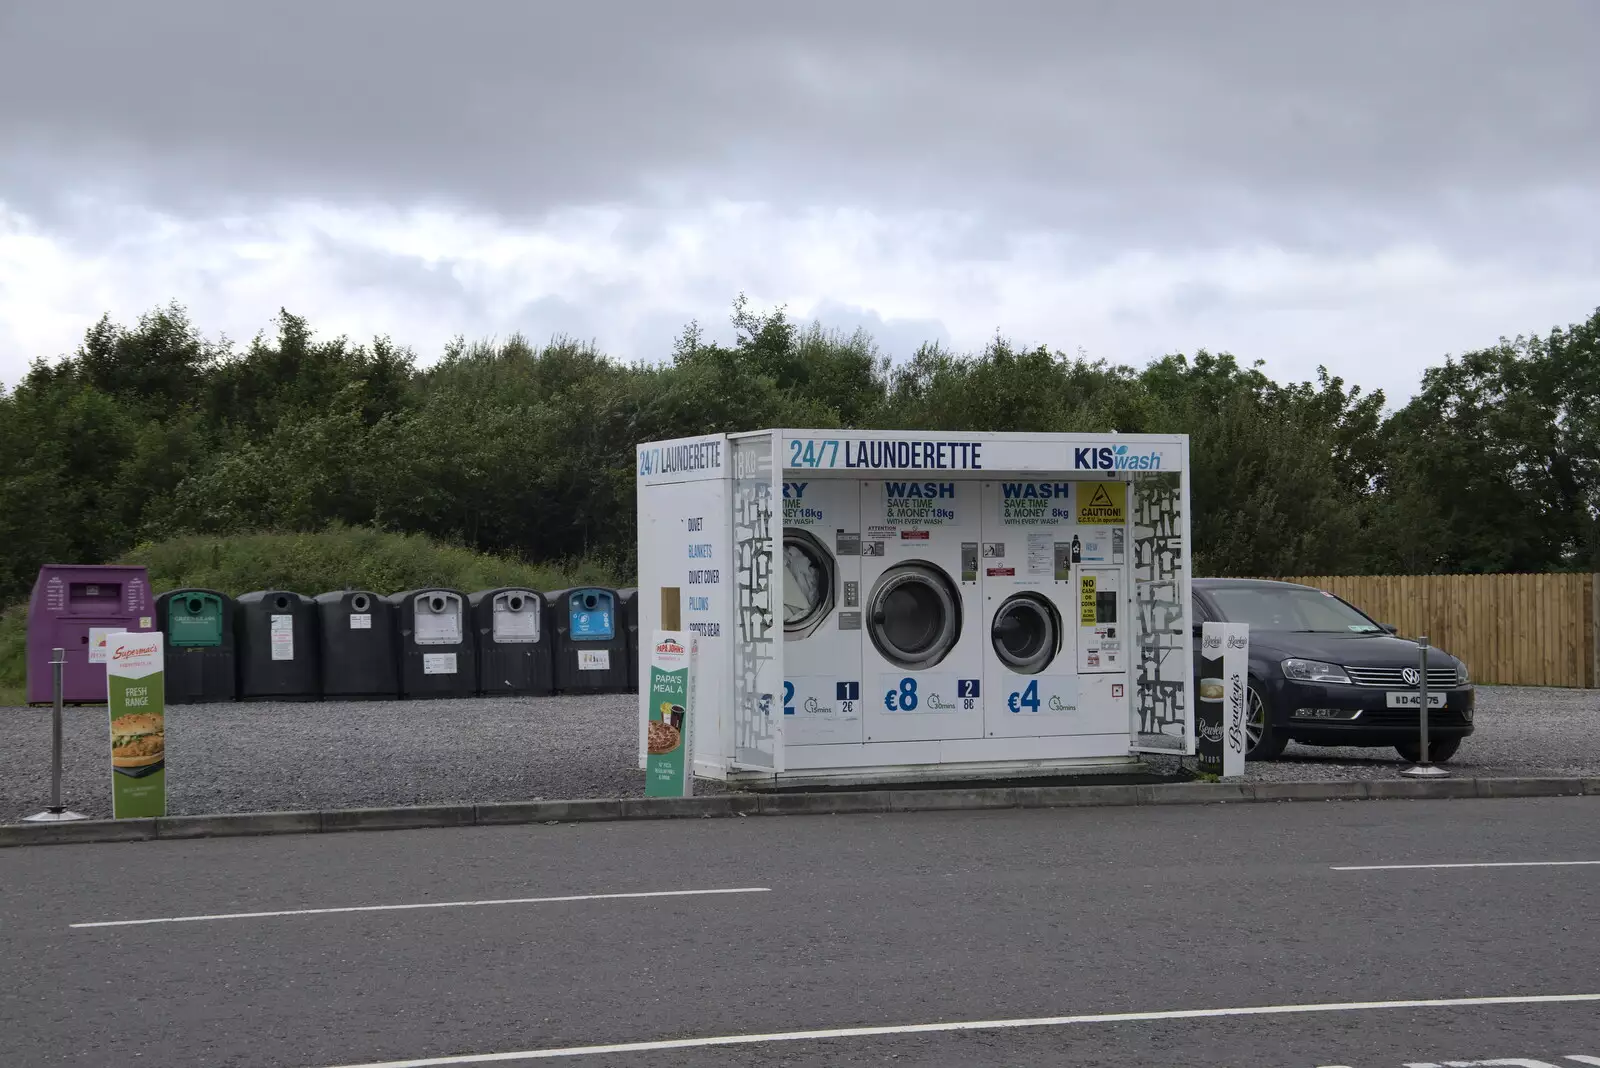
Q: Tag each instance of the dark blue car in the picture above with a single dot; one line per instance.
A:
(1323, 673)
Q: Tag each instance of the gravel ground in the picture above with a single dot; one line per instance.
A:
(254, 757)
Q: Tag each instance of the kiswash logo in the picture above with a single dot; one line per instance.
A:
(1114, 458)
(125, 653)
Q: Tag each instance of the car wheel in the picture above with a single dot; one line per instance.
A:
(1440, 750)
(1263, 740)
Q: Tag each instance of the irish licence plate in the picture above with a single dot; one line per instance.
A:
(1411, 700)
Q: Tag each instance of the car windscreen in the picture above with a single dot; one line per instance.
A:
(1304, 610)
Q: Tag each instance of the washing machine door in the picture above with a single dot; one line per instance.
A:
(808, 582)
(1026, 633)
(914, 615)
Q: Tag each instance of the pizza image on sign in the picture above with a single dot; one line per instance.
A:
(663, 737)
(1103, 502)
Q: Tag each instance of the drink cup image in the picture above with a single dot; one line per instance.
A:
(675, 716)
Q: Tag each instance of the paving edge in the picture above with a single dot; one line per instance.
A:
(508, 813)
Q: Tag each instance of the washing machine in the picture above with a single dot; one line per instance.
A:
(822, 612)
(922, 653)
(1030, 550)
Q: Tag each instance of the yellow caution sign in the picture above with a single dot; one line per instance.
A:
(1086, 602)
(1103, 503)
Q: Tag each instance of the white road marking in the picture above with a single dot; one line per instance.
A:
(1498, 864)
(426, 905)
(963, 1025)
(1504, 1062)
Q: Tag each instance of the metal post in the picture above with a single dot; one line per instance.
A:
(57, 812)
(1424, 768)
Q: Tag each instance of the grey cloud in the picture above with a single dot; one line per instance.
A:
(895, 338)
(1104, 115)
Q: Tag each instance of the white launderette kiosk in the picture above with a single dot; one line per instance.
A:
(879, 606)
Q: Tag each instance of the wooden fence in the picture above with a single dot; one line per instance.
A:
(1512, 630)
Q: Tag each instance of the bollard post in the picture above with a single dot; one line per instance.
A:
(1424, 767)
(57, 812)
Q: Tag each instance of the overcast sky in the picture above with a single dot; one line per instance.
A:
(1366, 185)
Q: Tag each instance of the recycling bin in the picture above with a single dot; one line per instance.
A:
(200, 662)
(436, 644)
(73, 607)
(591, 644)
(628, 608)
(277, 647)
(513, 640)
(360, 646)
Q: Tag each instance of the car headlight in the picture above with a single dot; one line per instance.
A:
(1313, 671)
(1463, 678)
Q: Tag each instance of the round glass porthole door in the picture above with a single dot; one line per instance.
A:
(808, 583)
(914, 615)
(1026, 633)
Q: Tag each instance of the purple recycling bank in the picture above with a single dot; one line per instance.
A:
(70, 600)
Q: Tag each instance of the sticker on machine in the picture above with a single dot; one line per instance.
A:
(360, 620)
(1035, 503)
(917, 694)
(1102, 502)
(882, 533)
(594, 660)
(98, 644)
(438, 663)
(1042, 695)
(1001, 572)
(919, 504)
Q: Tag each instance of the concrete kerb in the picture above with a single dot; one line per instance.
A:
(797, 804)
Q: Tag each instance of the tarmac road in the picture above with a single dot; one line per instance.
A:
(888, 921)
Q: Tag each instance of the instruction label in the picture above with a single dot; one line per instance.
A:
(283, 637)
(1041, 553)
(1086, 601)
(438, 663)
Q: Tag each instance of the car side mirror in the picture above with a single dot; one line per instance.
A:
(1389, 628)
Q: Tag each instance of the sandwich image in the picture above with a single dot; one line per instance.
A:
(138, 740)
